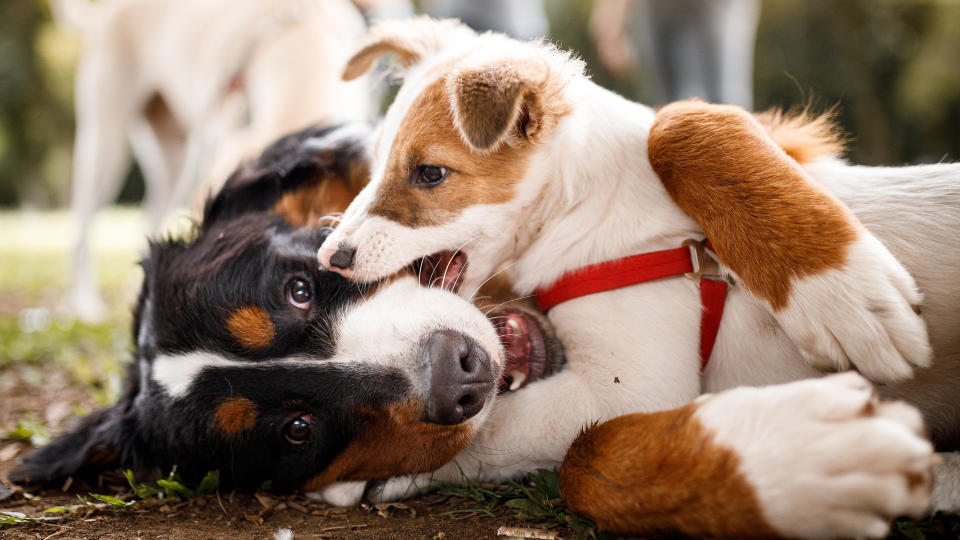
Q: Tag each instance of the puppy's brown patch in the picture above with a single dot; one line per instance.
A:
(766, 219)
(802, 135)
(235, 415)
(484, 173)
(251, 327)
(660, 473)
(393, 443)
(309, 205)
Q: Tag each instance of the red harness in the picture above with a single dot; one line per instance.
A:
(688, 260)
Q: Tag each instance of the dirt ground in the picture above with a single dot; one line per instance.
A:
(210, 516)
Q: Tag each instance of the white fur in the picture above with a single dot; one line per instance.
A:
(590, 195)
(819, 465)
(283, 534)
(175, 373)
(875, 330)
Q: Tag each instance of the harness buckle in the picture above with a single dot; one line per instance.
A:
(705, 263)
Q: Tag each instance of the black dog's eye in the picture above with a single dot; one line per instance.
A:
(299, 293)
(429, 175)
(298, 431)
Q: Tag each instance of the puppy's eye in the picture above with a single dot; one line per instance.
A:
(298, 431)
(429, 175)
(299, 293)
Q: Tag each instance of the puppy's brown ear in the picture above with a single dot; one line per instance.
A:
(409, 40)
(505, 103)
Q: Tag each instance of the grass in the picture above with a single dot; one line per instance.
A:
(536, 499)
(36, 332)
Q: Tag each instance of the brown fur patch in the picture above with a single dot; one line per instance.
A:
(235, 415)
(251, 327)
(765, 218)
(660, 473)
(495, 104)
(429, 134)
(308, 205)
(803, 135)
(391, 443)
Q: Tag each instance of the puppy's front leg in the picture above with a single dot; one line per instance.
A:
(814, 458)
(832, 286)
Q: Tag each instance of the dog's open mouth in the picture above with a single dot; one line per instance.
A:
(531, 351)
(443, 270)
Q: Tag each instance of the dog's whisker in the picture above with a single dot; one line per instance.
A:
(495, 274)
(463, 267)
(507, 302)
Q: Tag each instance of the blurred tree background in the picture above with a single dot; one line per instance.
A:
(893, 66)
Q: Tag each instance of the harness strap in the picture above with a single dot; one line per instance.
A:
(636, 269)
(713, 294)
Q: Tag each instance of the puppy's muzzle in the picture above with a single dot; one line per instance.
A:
(462, 378)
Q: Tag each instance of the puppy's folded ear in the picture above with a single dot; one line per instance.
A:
(306, 174)
(508, 103)
(409, 40)
(93, 446)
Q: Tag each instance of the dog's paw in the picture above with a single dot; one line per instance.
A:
(824, 457)
(375, 491)
(861, 315)
(397, 488)
(340, 493)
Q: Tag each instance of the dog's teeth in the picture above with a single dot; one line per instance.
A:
(518, 379)
(514, 327)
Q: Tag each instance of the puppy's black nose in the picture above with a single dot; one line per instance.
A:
(462, 378)
(342, 258)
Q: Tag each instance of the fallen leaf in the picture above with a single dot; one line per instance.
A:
(524, 532)
(265, 500)
(10, 451)
(5, 492)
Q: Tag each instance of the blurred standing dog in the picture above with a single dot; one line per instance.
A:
(192, 88)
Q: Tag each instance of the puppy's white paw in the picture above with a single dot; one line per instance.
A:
(340, 493)
(397, 488)
(825, 458)
(860, 316)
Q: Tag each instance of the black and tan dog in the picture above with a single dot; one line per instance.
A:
(252, 360)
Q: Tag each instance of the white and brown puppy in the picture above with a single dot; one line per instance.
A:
(503, 156)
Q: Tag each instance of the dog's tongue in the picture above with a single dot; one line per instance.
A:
(517, 348)
(444, 270)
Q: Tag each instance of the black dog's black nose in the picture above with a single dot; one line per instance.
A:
(342, 258)
(462, 378)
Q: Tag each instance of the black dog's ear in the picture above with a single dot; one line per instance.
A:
(296, 163)
(94, 445)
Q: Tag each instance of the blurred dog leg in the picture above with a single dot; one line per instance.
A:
(100, 162)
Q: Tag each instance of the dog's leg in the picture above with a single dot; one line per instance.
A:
(158, 145)
(832, 286)
(815, 458)
(100, 161)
